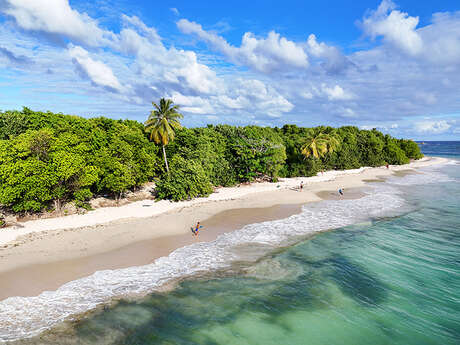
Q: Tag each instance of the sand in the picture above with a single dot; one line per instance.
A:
(44, 254)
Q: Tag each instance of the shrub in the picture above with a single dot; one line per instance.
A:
(411, 149)
(187, 180)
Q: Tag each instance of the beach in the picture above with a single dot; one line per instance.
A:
(51, 280)
(44, 254)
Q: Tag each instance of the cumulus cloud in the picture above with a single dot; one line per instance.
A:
(432, 126)
(396, 28)
(437, 43)
(333, 60)
(174, 66)
(442, 39)
(393, 80)
(247, 94)
(192, 104)
(267, 55)
(252, 97)
(336, 93)
(55, 17)
(96, 71)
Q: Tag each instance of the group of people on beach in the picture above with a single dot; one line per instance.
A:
(196, 229)
(301, 188)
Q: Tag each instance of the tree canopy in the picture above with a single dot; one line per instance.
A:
(49, 159)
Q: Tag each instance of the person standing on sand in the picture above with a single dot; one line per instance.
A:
(301, 186)
(341, 191)
(197, 229)
(388, 167)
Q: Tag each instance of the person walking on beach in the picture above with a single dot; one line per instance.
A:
(341, 191)
(388, 167)
(197, 229)
(301, 186)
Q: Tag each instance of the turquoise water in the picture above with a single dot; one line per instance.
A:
(389, 278)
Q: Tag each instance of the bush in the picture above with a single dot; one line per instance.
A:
(187, 180)
(394, 154)
(411, 149)
(49, 159)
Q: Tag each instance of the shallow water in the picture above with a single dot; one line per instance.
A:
(389, 275)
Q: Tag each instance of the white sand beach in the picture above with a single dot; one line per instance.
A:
(57, 250)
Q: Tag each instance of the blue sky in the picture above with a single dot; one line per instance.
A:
(390, 65)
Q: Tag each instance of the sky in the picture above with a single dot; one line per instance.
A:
(394, 66)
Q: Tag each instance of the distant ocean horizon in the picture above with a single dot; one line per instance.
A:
(389, 273)
(439, 148)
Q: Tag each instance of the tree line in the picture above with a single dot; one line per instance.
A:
(49, 159)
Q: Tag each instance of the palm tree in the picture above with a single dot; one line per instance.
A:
(162, 122)
(317, 146)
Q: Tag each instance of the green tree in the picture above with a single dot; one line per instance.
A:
(162, 123)
(317, 146)
(187, 180)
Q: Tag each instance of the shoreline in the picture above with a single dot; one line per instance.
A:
(80, 251)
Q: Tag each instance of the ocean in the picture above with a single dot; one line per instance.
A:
(387, 271)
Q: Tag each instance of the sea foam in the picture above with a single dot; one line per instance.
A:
(22, 317)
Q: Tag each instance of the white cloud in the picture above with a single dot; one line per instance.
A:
(58, 18)
(442, 39)
(137, 66)
(155, 61)
(96, 71)
(334, 60)
(348, 112)
(192, 104)
(432, 126)
(249, 96)
(397, 28)
(336, 93)
(306, 94)
(254, 97)
(149, 32)
(267, 55)
(175, 11)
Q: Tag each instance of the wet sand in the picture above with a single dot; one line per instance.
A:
(348, 194)
(402, 173)
(33, 279)
(372, 180)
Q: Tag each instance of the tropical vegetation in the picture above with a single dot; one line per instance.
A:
(162, 123)
(48, 159)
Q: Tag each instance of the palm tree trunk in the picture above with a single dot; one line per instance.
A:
(166, 161)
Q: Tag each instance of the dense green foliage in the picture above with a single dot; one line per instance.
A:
(48, 159)
(187, 180)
